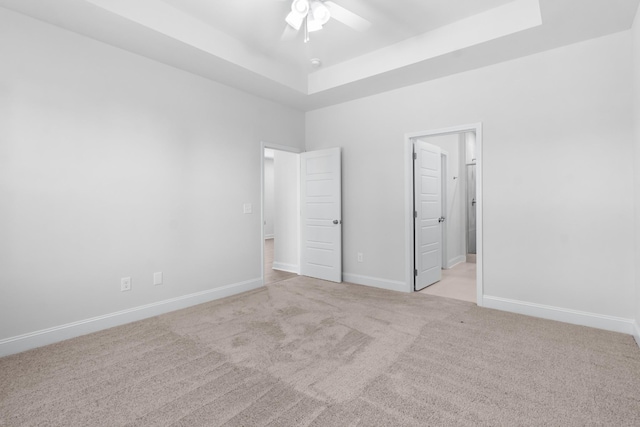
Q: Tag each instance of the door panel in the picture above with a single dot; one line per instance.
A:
(321, 211)
(428, 205)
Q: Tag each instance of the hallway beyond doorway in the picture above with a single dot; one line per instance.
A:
(271, 275)
(458, 282)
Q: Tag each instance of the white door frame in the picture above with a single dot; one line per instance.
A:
(408, 197)
(444, 159)
(272, 146)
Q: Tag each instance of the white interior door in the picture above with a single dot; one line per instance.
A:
(321, 212)
(428, 214)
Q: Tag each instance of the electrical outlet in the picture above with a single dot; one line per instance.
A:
(125, 284)
(157, 278)
(247, 208)
(360, 257)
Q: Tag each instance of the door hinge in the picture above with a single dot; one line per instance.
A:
(415, 273)
(415, 156)
(415, 214)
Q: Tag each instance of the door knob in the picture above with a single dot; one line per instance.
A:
(441, 219)
(473, 202)
(335, 221)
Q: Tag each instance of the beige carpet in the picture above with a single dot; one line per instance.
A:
(306, 352)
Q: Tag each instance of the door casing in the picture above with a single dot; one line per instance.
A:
(409, 199)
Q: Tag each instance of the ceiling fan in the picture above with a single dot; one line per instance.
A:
(313, 14)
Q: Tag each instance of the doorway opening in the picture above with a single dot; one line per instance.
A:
(280, 213)
(443, 203)
(307, 212)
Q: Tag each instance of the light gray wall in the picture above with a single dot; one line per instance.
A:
(113, 165)
(636, 91)
(455, 202)
(287, 211)
(558, 173)
(268, 198)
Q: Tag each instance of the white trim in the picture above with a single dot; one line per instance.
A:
(479, 216)
(455, 261)
(576, 317)
(391, 285)
(298, 217)
(291, 268)
(408, 196)
(636, 332)
(271, 146)
(409, 220)
(444, 184)
(269, 236)
(55, 334)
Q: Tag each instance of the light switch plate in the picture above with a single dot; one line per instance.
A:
(157, 278)
(248, 208)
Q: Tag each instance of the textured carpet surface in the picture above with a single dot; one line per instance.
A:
(306, 352)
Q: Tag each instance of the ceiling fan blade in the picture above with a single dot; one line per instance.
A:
(289, 33)
(347, 17)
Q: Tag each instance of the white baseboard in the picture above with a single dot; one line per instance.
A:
(636, 332)
(42, 337)
(455, 261)
(391, 285)
(599, 321)
(291, 268)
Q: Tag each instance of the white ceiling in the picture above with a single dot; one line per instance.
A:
(238, 42)
(259, 24)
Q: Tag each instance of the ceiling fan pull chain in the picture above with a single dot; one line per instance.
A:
(306, 29)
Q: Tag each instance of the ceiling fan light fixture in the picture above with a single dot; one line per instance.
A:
(320, 12)
(300, 6)
(313, 24)
(295, 20)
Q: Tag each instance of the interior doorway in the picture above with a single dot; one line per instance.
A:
(280, 212)
(444, 215)
(301, 213)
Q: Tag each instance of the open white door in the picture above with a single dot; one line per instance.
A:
(428, 214)
(321, 211)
